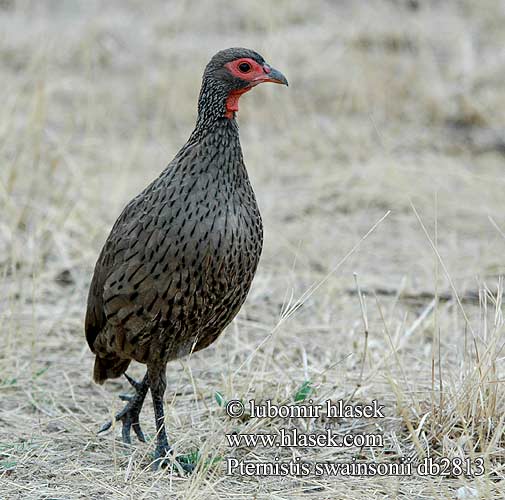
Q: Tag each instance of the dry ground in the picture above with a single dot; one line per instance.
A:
(392, 106)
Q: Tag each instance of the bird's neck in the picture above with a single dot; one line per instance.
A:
(220, 129)
(220, 136)
(216, 109)
(217, 148)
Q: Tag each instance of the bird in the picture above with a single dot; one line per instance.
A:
(180, 259)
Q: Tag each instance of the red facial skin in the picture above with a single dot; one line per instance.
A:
(254, 75)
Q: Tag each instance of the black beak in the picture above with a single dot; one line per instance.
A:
(272, 75)
(277, 77)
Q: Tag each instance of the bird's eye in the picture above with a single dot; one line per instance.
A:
(244, 67)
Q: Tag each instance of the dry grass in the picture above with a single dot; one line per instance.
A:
(390, 107)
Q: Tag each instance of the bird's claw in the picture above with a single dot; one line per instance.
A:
(164, 458)
(129, 415)
(187, 468)
(134, 424)
(105, 427)
(130, 419)
(136, 385)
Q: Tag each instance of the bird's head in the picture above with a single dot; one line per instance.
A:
(232, 72)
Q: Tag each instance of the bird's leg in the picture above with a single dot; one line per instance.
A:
(129, 415)
(158, 385)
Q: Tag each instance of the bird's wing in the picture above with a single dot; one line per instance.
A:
(143, 270)
(114, 248)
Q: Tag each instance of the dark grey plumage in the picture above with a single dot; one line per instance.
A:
(180, 259)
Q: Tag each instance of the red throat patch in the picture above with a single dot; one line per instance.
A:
(232, 101)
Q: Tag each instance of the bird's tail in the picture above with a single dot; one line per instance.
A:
(109, 368)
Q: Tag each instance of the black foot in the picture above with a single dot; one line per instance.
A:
(130, 414)
(163, 457)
